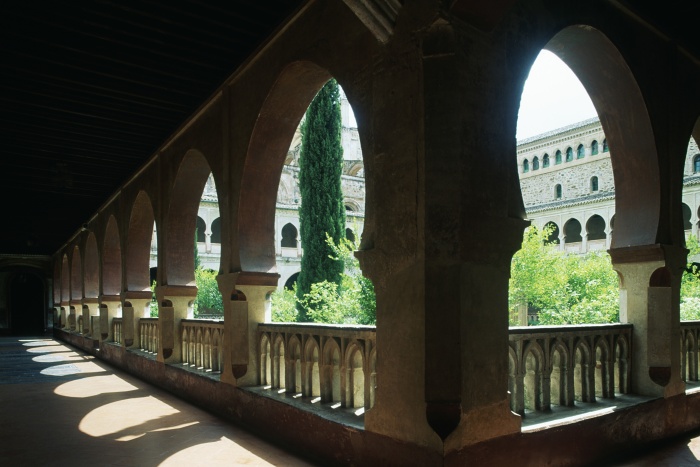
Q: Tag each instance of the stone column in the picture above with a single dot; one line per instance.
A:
(136, 305)
(93, 307)
(110, 306)
(57, 315)
(175, 304)
(246, 303)
(85, 330)
(650, 277)
(65, 310)
(72, 317)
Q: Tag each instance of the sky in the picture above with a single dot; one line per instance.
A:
(553, 97)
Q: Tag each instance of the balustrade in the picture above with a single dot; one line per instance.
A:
(690, 331)
(148, 334)
(202, 344)
(79, 327)
(559, 365)
(335, 363)
(117, 330)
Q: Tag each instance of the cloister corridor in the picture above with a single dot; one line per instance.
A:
(63, 407)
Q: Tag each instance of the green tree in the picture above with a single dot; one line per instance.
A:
(563, 288)
(209, 300)
(322, 210)
(690, 282)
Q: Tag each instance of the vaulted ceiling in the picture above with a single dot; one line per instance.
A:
(90, 89)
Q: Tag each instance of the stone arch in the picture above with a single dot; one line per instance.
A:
(557, 157)
(545, 161)
(91, 267)
(569, 154)
(111, 259)
(293, 366)
(553, 236)
(580, 152)
(526, 166)
(622, 363)
(201, 230)
(76, 280)
(278, 363)
(289, 284)
(604, 386)
(290, 96)
(331, 384)
(181, 220)
(687, 214)
(533, 374)
(355, 379)
(536, 163)
(350, 234)
(582, 366)
(138, 244)
(587, 51)
(595, 228)
(216, 230)
(572, 231)
(312, 378)
(594, 148)
(560, 363)
(265, 360)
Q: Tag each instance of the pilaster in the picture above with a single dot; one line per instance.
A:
(650, 277)
(175, 304)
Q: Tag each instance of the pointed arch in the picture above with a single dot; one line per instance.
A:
(76, 286)
(138, 247)
(111, 259)
(181, 219)
(91, 268)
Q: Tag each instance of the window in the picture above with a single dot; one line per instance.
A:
(545, 161)
(696, 163)
(594, 148)
(594, 184)
(557, 191)
(569, 154)
(526, 166)
(557, 157)
(605, 145)
(535, 163)
(289, 236)
(580, 152)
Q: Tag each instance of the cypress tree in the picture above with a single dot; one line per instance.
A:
(322, 210)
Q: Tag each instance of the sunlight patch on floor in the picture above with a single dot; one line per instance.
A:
(72, 369)
(93, 386)
(130, 417)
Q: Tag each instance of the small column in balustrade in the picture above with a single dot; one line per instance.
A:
(650, 277)
(136, 305)
(175, 303)
(248, 305)
(72, 319)
(110, 307)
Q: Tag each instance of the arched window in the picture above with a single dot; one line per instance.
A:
(594, 184)
(526, 166)
(605, 145)
(696, 163)
(594, 148)
(535, 163)
(569, 154)
(545, 161)
(557, 157)
(289, 236)
(557, 191)
(580, 152)
(201, 229)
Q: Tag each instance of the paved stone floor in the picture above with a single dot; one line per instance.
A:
(60, 407)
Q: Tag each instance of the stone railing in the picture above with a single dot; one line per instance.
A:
(148, 334)
(117, 330)
(202, 343)
(334, 363)
(558, 365)
(690, 333)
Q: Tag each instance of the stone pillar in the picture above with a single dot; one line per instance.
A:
(72, 318)
(246, 303)
(136, 305)
(110, 307)
(57, 315)
(93, 308)
(207, 240)
(175, 304)
(85, 330)
(65, 310)
(650, 277)
(608, 236)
